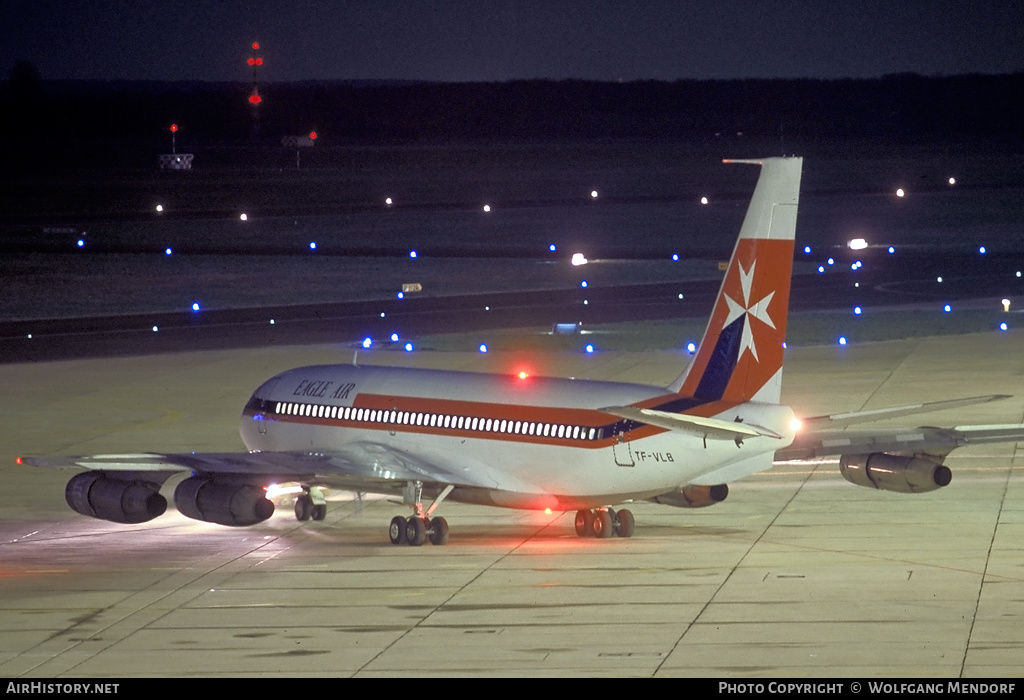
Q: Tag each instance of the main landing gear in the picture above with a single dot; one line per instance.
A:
(420, 527)
(604, 522)
(311, 504)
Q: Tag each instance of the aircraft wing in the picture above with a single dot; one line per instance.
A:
(839, 420)
(813, 444)
(365, 466)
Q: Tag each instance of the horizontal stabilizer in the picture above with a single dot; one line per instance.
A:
(838, 420)
(710, 428)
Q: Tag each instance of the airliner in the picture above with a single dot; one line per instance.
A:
(527, 442)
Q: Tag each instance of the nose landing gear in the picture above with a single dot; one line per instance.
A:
(604, 522)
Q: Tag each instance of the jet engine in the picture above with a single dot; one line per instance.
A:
(202, 498)
(900, 473)
(118, 500)
(694, 496)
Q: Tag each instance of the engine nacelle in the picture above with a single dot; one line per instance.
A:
(694, 496)
(118, 500)
(894, 472)
(202, 498)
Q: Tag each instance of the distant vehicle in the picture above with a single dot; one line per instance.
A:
(540, 443)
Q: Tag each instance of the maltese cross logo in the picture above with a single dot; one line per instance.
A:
(758, 310)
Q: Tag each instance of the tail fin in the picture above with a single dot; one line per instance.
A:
(740, 355)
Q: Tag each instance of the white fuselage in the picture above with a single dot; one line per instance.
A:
(518, 442)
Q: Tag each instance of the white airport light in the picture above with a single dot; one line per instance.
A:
(947, 308)
(483, 347)
(1006, 304)
(579, 259)
(593, 194)
(586, 302)
(367, 342)
(382, 314)
(412, 253)
(857, 285)
(679, 296)
(159, 208)
(487, 308)
(388, 201)
(487, 208)
(394, 337)
(271, 321)
(243, 217)
(1003, 326)
(1018, 273)
(981, 249)
(858, 244)
(703, 200)
(900, 192)
(408, 347)
(857, 310)
(951, 181)
(155, 329)
(589, 348)
(195, 306)
(691, 348)
(939, 279)
(842, 340)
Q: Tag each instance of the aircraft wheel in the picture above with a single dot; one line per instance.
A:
(624, 523)
(585, 523)
(602, 524)
(438, 531)
(396, 531)
(303, 508)
(415, 531)
(319, 512)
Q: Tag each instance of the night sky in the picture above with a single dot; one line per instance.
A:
(497, 40)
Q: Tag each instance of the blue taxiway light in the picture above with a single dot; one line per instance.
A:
(168, 251)
(401, 295)
(312, 245)
(857, 310)
(195, 306)
(891, 250)
(821, 268)
(394, 337)
(831, 261)
(1003, 326)
(408, 347)
(81, 243)
(981, 249)
(947, 308)
(589, 348)
(552, 247)
(691, 348)
(583, 284)
(483, 347)
(367, 342)
(807, 249)
(842, 340)
(412, 253)
(675, 257)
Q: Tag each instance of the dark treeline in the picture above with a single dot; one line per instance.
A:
(71, 122)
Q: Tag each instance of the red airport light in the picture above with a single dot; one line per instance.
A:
(255, 98)
(255, 46)
(312, 136)
(252, 61)
(174, 127)
(259, 61)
